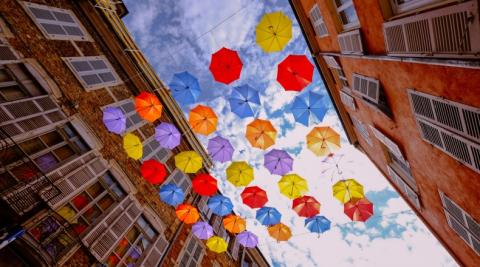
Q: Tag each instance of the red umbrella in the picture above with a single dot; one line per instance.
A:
(254, 197)
(153, 171)
(295, 72)
(306, 206)
(204, 184)
(226, 65)
(358, 209)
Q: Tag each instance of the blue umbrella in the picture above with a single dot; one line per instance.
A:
(220, 205)
(185, 88)
(244, 101)
(306, 109)
(317, 224)
(268, 216)
(171, 194)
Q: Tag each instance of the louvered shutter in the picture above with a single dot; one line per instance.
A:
(317, 22)
(155, 252)
(347, 100)
(362, 130)
(351, 42)
(392, 147)
(93, 72)
(217, 222)
(235, 248)
(204, 209)
(367, 87)
(404, 187)
(331, 62)
(460, 215)
(7, 55)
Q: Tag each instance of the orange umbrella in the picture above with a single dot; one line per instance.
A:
(323, 140)
(203, 120)
(187, 213)
(148, 106)
(234, 224)
(261, 133)
(280, 232)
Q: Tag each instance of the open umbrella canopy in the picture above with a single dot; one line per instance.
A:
(345, 190)
(247, 239)
(188, 161)
(280, 232)
(254, 197)
(273, 32)
(244, 101)
(358, 210)
(153, 171)
(148, 106)
(185, 88)
(278, 162)
(167, 135)
(220, 149)
(317, 224)
(295, 72)
(306, 206)
(239, 173)
(261, 134)
(308, 108)
(187, 213)
(204, 184)
(203, 120)
(220, 205)
(202, 230)
(268, 216)
(323, 140)
(171, 194)
(292, 186)
(133, 146)
(226, 65)
(234, 224)
(217, 244)
(114, 120)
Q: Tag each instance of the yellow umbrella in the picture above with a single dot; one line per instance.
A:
(261, 133)
(217, 244)
(273, 32)
(280, 232)
(323, 140)
(188, 161)
(292, 186)
(133, 146)
(234, 224)
(203, 120)
(239, 173)
(344, 190)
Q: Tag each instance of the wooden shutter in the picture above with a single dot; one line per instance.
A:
(347, 100)
(350, 42)
(153, 150)
(392, 146)
(93, 72)
(367, 87)
(317, 22)
(155, 252)
(460, 215)
(404, 187)
(331, 62)
(362, 130)
(180, 179)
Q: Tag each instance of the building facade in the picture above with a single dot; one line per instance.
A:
(69, 196)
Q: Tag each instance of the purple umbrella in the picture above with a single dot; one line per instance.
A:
(247, 239)
(167, 135)
(202, 230)
(114, 120)
(278, 162)
(220, 149)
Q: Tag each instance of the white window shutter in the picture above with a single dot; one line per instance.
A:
(7, 54)
(392, 146)
(217, 222)
(464, 218)
(331, 62)
(93, 72)
(235, 249)
(347, 100)
(404, 187)
(362, 129)
(367, 87)
(154, 254)
(351, 42)
(317, 21)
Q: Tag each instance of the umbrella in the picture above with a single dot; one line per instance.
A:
(220, 205)
(202, 230)
(217, 244)
(226, 65)
(167, 135)
(203, 120)
(344, 190)
(188, 161)
(204, 184)
(295, 72)
(317, 224)
(68, 213)
(114, 120)
(244, 101)
(280, 232)
(323, 141)
(148, 106)
(278, 162)
(261, 133)
(268, 216)
(292, 186)
(306, 206)
(171, 194)
(133, 146)
(358, 210)
(239, 173)
(234, 224)
(273, 32)
(247, 239)
(153, 171)
(220, 149)
(308, 109)
(185, 88)
(254, 197)
(187, 213)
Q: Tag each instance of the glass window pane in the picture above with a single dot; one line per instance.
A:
(11, 155)
(12, 93)
(52, 138)
(122, 247)
(92, 214)
(44, 229)
(105, 202)
(132, 234)
(95, 190)
(67, 212)
(32, 146)
(64, 152)
(339, 3)
(80, 226)
(108, 179)
(6, 181)
(81, 201)
(348, 15)
(46, 162)
(133, 256)
(24, 172)
(5, 76)
(118, 191)
(112, 260)
(144, 243)
(69, 131)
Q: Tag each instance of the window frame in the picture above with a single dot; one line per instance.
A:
(415, 4)
(190, 254)
(69, 60)
(339, 9)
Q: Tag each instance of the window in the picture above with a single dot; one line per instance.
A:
(400, 6)
(180, 179)
(93, 72)
(337, 71)
(371, 93)
(317, 21)
(192, 252)
(56, 23)
(347, 14)
(347, 100)
(350, 42)
(233, 248)
(404, 187)
(134, 121)
(362, 130)
(205, 211)
(7, 55)
(153, 150)
(16, 82)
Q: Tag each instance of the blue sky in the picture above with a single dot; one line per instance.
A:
(181, 35)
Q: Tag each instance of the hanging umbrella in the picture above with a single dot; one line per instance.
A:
(171, 194)
(114, 120)
(202, 230)
(203, 120)
(239, 173)
(244, 101)
(234, 224)
(167, 135)
(133, 146)
(268, 216)
(204, 184)
(358, 210)
(273, 32)
(185, 88)
(220, 149)
(187, 213)
(280, 232)
(292, 186)
(323, 140)
(220, 205)
(261, 133)
(307, 109)
(295, 72)
(344, 190)
(247, 239)
(278, 162)
(148, 106)
(226, 65)
(254, 197)
(317, 224)
(188, 161)
(153, 171)
(306, 206)
(217, 244)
